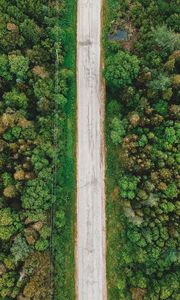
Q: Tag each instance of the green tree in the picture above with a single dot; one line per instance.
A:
(166, 39)
(30, 31)
(15, 99)
(9, 223)
(159, 84)
(37, 195)
(19, 65)
(4, 67)
(7, 285)
(171, 191)
(121, 69)
(128, 186)
(161, 107)
(118, 130)
(19, 249)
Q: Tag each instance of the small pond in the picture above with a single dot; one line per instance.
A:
(120, 35)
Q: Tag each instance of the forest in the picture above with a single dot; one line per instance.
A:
(37, 91)
(142, 137)
(141, 52)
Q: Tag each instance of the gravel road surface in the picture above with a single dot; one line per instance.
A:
(90, 244)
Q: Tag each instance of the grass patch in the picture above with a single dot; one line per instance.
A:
(113, 223)
(64, 262)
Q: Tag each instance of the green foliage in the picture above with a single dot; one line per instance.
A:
(10, 191)
(165, 39)
(43, 88)
(37, 195)
(30, 31)
(7, 179)
(159, 84)
(42, 245)
(171, 191)
(6, 217)
(19, 249)
(121, 69)
(19, 65)
(143, 141)
(33, 111)
(142, 172)
(170, 135)
(118, 130)
(15, 99)
(139, 280)
(7, 285)
(9, 223)
(60, 219)
(161, 107)
(4, 67)
(60, 100)
(128, 187)
(57, 33)
(121, 284)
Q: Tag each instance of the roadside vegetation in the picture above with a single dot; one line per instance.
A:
(37, 168)
(142, 138)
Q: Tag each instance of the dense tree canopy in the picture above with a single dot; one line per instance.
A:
(143, 134)
(33, 98)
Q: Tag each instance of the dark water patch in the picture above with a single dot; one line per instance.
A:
(120, 35)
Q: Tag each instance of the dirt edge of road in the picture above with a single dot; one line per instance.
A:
(103, 144)
(75, 225)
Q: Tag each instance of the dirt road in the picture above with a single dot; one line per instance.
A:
(90, 247)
